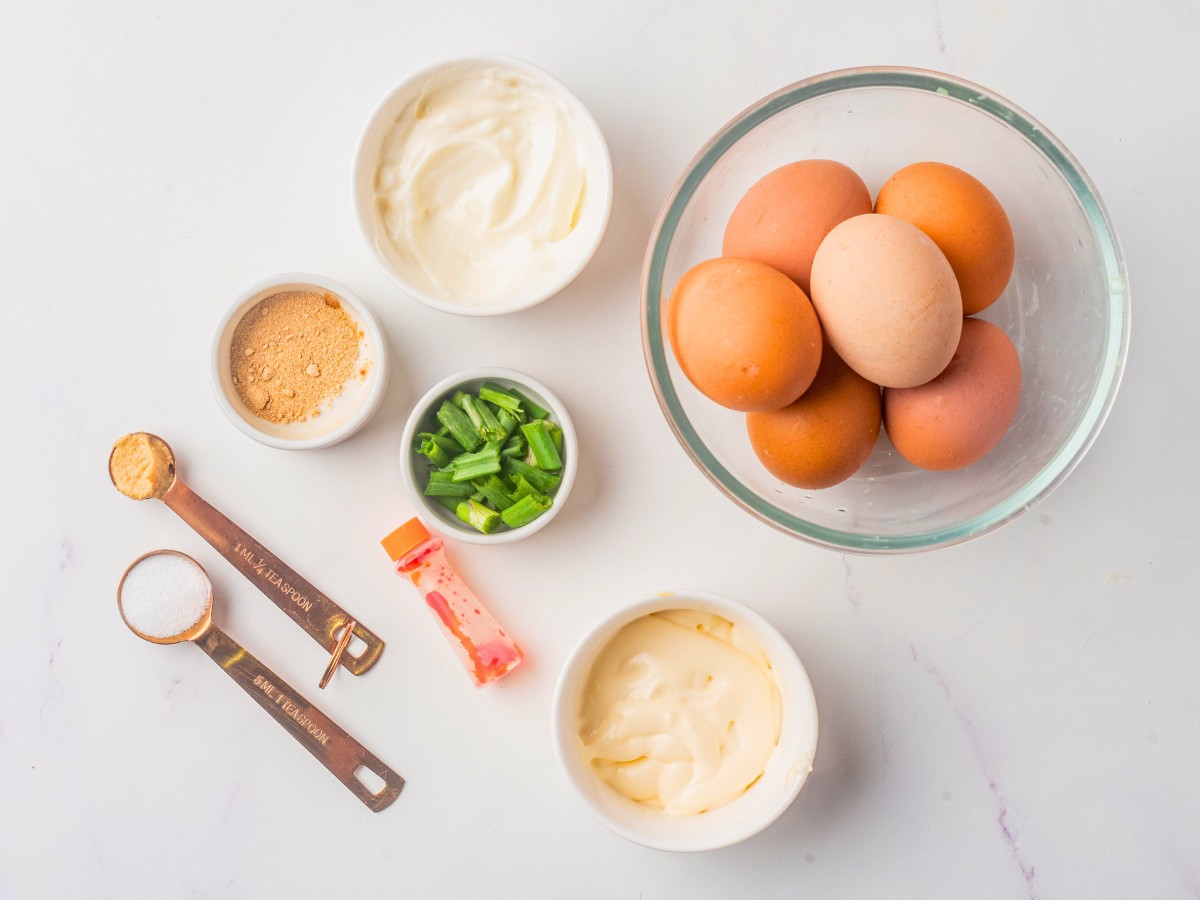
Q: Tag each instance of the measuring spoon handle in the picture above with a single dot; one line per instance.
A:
(319, 616)
(331, 745)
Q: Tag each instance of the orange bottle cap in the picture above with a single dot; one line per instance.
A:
(409, 535)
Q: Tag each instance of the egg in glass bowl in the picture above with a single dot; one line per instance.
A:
(1065, 307)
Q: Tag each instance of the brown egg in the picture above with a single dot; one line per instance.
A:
(825, 436)
(959, 417)
(964, 219)
(744, 335)
(888, 301)
(786, 214)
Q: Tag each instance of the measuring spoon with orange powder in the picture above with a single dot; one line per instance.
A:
(142, 467)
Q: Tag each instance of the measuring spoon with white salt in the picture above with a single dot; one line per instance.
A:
(165, 597)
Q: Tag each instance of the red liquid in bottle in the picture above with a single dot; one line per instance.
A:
(484, 648)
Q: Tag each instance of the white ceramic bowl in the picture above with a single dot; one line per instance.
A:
(424, 418)
(761, 804)
(344, 414)
(366, 162)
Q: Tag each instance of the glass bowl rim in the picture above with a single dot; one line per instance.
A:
(1115, 350)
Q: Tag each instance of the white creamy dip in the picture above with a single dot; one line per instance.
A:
(681, 710)
(482, 183)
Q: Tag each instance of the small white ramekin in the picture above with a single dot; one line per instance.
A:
(424, 418)
(761, 804)
(366, 163)
(341, 417)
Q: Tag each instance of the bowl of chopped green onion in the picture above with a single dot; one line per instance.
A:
(489, 455)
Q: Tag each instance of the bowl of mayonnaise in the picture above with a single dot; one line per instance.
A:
(685, 721)
(482, 185)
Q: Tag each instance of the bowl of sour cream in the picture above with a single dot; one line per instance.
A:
(482, 185)
(685, 721)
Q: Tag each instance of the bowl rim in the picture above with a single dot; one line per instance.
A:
(362, 167)
(360, 312)
(461, 531)
(590, 642)
(990, 103)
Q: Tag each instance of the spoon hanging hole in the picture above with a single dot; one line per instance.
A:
(370, 780)
(356, 648)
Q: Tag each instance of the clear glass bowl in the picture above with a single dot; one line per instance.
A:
(1066, 307)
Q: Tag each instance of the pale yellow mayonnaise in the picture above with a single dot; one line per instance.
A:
(481, 184)
(681, 711)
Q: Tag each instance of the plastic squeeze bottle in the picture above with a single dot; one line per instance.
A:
(481, 644)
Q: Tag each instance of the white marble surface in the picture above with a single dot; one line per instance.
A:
(1013, 718)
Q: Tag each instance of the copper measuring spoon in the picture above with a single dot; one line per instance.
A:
(317, 733)
(320, 617)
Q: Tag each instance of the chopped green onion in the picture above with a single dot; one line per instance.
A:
(459, 425)
(525, 510)
(542, 446)
(447, 443)
(451, 503)
(544, 482)
(442, 484)
(507, 420)
(493, 491)
(482, 418)
(466, 403)
(494, 459)
(504, 399)
(515, 446)
(434, 453)
(478, 516)
(492, 429)
(470, 466)
(439, 450)
(522, 488)
(534, 411)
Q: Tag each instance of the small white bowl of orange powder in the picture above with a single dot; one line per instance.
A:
(298, 362)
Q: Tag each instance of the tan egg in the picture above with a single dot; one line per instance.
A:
(887, 299)
(745, 335)
(786, 214)
(964, 219)
(825, 436)
(959, 417)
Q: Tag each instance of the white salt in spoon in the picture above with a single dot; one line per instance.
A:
(333, 747)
